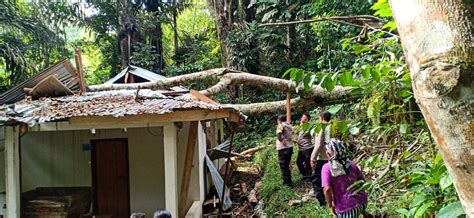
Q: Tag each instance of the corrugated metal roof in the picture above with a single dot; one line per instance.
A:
(137, 71)
(115, 103)
(62, 69)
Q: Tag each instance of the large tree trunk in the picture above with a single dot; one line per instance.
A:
(224, 12)
(437, 38)
(175, 26)
(129, 33)
(156, 36)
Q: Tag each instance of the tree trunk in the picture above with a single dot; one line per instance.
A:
(175, 25)
(224, 12)
(157, 33)
(437, 39)
(129, 33)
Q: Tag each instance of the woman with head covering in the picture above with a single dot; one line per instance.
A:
(337, 176)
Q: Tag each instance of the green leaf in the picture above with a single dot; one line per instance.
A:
(382, 8)
(438, 158)
(354, 130)
(390, 25)
(376, 75)
(356, 183)
(359, 48)
(451, 210)
(405, 93)
(366, 72)
(346, 79)
(328, 83)
(365, 186)
(268, 15)
(357, 90)
(333, 109)
(289, 71)
(418, 200)
(403, 128)
(445, 182)
(403, 212)
(422, 210)
(297, 75)
(308, 81)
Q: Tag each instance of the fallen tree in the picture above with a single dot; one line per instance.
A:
(226, 78)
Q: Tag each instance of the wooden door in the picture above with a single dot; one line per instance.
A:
(110, 177)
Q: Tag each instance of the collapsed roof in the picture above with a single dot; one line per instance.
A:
(58, 79)
(117, 103)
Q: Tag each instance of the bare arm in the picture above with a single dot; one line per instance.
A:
(328, 196)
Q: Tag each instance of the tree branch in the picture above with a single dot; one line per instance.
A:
(339, 19)
(317, 96)
(165, 83)
(363, 18)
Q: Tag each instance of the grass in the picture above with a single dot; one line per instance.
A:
(276, 197)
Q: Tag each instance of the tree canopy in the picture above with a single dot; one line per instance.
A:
(342, 56)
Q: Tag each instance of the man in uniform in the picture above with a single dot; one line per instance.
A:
(284, 145)
(305, 146)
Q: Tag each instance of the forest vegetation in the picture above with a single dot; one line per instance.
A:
(360, 54)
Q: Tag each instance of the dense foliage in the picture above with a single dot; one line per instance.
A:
(391, 142)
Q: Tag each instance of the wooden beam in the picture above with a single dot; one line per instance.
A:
(80, 71)
(213, 133)
(177, 116)
(67, 125)
(202, 148)
(134, 121)
(188, 166)
(171, 168)
(202, 97)
(12, 170)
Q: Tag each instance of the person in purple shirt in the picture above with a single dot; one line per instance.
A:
(337, 176)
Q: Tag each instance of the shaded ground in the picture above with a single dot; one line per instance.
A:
(242, 183)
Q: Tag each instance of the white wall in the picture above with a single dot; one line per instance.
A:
(52, 159)
(2, 171)
(2, 160)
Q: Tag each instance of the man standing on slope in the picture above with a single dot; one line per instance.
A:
(284, 145)
(305, 145)
(319, 156)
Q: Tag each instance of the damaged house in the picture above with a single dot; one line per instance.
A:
(72, 153)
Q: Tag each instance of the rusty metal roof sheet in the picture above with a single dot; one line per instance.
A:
(62, 69)
(115, 103)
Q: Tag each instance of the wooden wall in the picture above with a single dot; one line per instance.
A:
(62, 158)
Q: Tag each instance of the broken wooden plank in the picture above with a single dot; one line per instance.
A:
(202, 97)
(188, 165)
(252, 197)
(80, 71)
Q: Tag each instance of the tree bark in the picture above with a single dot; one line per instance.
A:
(175, 25)
(129, 33)
(437, 39)
(224, 12)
